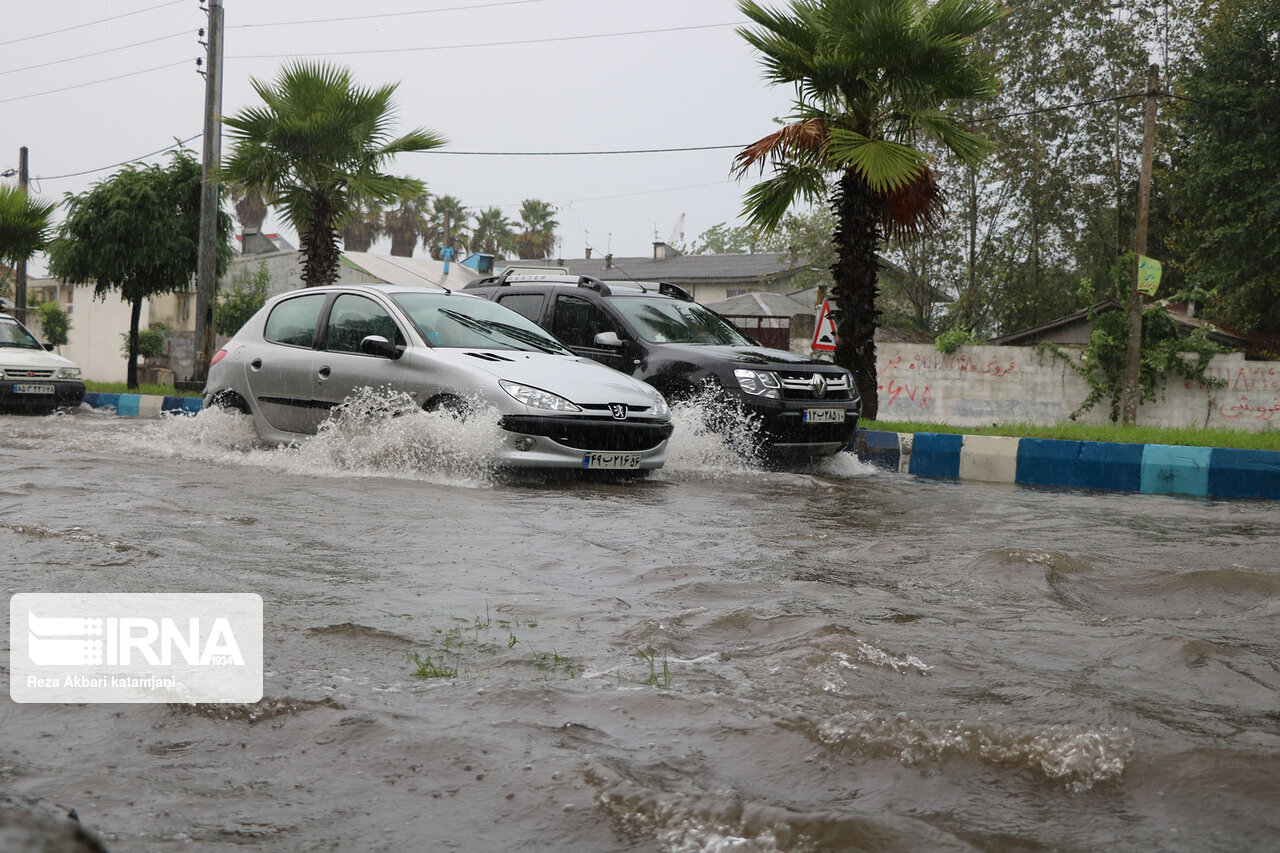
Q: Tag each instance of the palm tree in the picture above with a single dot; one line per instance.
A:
(493, 233)
(538, 239)
(316, 146)
(25, 228)
(874, 80)
(448, 227)
(362, 227)
(408, 223)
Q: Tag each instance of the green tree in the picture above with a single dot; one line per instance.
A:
(1227, 195)
(538, 238)
(239, 302)
(137, 232)
(408, 223)
(25, 226)
(315, 147)
(448, 227)
(493, 233)
(873, 78)
(363, 226)
(54, 323)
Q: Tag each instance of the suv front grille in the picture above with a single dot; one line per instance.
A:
(27, 373)
(591, 433)
(798, 385)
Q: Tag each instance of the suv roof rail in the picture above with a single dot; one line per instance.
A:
(593, 283)
(675, 291)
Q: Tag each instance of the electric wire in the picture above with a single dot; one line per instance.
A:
(384, 15)
(93, 82)
(177, 144)
(96, 53)
(92, 23)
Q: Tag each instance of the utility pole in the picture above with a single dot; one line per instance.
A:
(1130, 393)
(20, 272)
(207, 257)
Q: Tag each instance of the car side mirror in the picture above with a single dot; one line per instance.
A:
(48, 347)
(608, 339)
(381, 347)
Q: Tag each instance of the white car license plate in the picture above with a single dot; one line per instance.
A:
(611, 461)
(32, 389)
(824, 416)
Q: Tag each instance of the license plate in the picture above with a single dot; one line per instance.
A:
(33, 389)
(824, 416)
(611, 461)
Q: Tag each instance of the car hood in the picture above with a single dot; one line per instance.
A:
(577, 379)
(38, 359)
(745, 356)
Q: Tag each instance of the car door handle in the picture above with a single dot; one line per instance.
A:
(324, 371)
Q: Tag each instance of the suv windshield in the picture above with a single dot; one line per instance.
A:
(670, 321)
(14, 334)
(459, 321)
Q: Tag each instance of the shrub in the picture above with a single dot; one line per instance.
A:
(54, 323)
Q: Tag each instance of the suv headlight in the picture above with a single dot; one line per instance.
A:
(759, 383)
(69, 373)
(536, 398)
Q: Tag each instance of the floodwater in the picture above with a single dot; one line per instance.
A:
(719, 658)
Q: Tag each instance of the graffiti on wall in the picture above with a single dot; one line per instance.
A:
(1252, 391)
(960, 363)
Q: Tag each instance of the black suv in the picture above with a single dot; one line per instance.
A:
(656, 332)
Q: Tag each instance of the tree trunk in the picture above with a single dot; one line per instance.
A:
(135, 317)
(403, 242)
(857, 239)
(320, 246)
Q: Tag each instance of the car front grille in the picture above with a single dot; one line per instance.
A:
(591, 433)
(27, 373)
(798, 385)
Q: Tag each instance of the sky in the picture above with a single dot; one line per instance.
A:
(88, 85)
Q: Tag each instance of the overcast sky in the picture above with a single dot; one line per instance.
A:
(489, 75)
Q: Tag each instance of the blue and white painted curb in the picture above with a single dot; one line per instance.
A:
(143, 405)
(1156, 469)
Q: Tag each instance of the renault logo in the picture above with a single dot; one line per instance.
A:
(619, 411)
(818, 385)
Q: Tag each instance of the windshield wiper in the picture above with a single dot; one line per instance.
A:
(526, 337)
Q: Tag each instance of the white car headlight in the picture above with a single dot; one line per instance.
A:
(536, 398)
(760, 383)
(69, 373)
(660, 407)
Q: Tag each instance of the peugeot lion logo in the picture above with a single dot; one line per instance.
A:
(619, 411)
(818, 384)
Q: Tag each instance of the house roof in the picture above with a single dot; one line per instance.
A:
(410, 272)
(1252, 344)
(759, 303)
(692, 268)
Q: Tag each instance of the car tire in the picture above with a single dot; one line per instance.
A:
(229, 400)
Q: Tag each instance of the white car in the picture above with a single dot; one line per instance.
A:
(307, 351)
(32, 378)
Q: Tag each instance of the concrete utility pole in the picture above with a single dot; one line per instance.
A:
(20, 273)
(206, 264)
(1130, 394)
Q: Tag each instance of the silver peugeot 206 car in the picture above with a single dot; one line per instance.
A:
(307, 351)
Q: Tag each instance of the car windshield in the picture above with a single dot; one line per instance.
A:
(14, 334)
(459, 321)
(670, 321)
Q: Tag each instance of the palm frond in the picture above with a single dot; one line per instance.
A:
(884, 165)
(802, 140)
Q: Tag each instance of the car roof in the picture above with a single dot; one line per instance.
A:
(604, 288)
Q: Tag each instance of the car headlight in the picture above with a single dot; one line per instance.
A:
(536, 398)
(759, 383)
(69, 373)
(660, 407)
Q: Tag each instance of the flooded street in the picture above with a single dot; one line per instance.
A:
(718, 658)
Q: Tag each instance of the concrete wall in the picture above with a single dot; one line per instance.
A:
(94, 340)
(980, 385)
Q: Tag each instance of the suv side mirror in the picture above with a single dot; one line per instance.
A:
(608, 339)
(380, 346)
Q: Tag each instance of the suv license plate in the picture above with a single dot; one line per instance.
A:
(33, 389)
(824, 416)
(611, 461)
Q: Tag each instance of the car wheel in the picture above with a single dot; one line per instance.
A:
(229, 400)
(457, 407)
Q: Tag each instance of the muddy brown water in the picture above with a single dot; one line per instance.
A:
(718, 659)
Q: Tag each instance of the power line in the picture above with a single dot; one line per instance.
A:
(92, 23)
(481, 44)
(578, 153)
(385, 15)
(94, 82)
(177, 144)
(96, 53)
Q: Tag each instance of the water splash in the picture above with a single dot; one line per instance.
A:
(714, 436)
